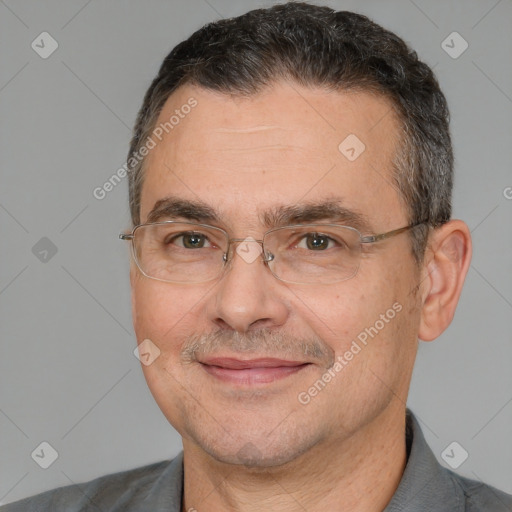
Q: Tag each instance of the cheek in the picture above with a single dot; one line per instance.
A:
(341, 312)
(384, 337)
(361, 320)
(163, 313)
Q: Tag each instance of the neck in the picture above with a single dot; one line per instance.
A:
(359, 473)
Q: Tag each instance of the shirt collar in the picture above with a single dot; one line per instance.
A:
(425, 484)
(166, 494)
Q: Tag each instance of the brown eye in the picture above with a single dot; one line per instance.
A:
(190, 240)
(315, 242)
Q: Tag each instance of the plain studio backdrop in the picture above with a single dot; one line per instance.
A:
(72, 78)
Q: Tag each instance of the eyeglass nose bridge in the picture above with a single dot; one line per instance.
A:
(267, 257)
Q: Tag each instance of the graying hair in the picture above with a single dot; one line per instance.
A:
(317, 46)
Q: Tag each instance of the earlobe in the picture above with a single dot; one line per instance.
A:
(446, 266)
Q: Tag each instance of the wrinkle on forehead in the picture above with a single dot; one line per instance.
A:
(278, 145)
(258, 138)
(257, 128)
(256, 147)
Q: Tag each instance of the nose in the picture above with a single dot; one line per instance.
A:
(248, 297)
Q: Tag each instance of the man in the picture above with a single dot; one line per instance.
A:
(290, 194)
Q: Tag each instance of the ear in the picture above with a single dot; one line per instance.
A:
(445, 266)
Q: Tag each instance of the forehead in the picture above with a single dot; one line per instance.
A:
(285, 146)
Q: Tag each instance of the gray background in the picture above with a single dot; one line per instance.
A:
(68, 373)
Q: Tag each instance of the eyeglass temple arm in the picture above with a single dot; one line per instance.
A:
(126, 236)
(377, 238)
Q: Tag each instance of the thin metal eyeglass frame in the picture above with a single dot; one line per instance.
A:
(366, 239)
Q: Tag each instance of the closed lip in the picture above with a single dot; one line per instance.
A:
(232, 363)
(243, 373)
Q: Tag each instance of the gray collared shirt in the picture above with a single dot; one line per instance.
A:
(425, 486)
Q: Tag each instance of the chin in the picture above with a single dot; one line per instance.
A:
(257, 451)
(252, 457)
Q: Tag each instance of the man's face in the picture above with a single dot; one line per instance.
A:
(242, 157)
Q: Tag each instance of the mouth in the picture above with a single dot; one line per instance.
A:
(251, 371)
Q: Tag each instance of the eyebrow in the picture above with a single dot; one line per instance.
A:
(328, 210)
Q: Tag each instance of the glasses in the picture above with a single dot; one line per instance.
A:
(187, 252)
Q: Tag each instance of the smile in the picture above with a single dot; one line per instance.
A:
(252, 371)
